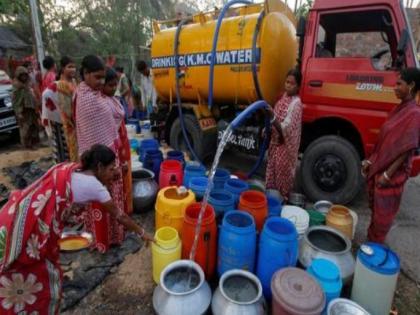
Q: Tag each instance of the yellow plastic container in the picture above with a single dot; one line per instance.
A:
(340, 218)
(233, 81)
(166, 250)
(170, 207)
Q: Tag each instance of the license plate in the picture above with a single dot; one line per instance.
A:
(7, 121)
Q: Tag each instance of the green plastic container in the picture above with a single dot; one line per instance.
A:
(316, 218)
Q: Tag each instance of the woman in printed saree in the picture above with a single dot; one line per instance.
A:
(285, 138)
(388, 167)
(95, 124)
(116, 104)
(57, 112)
(24, 105)
(31, 223)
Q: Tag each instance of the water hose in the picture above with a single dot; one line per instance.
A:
(178, 94)
(254, 55)
(215, 40)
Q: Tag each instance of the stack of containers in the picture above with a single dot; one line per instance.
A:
(298, 216)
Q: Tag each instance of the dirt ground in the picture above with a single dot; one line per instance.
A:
(129, 288)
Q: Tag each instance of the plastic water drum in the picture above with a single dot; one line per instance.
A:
(298, 216)
(193, 170)
(222, 201)
(152, 161)
(255, 203)
(146, 144)
(170, 207)
(278, 248)
(206, 252)
(165, 250)
(328, 276)
(220, 178)
(236, 187)
(375, 278)
(237, 242)
(274, 206)
(199, 185)
(171, 174)
(295, 292)
(176, 155)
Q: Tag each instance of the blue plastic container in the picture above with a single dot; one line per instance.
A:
(236, 187)
(237, 242)
(199, 185)
(176, 155)
(193, 170)
(145, 145)
(274, 206)
(328, 276)
(278, 248)
(220, 178)
(135, 122)
(152, 162)
(222, 201)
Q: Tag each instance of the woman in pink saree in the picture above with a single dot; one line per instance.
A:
(285, 140)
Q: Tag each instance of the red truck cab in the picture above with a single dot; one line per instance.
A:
(352, 53)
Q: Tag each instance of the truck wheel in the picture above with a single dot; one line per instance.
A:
(330, 170)
(202, 143)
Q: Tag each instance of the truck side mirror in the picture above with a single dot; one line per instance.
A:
(402, 46)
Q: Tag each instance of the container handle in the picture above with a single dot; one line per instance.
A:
(385, 259)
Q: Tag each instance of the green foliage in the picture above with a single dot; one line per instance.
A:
(303, 10)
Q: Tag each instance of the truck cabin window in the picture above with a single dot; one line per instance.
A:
(368, 34)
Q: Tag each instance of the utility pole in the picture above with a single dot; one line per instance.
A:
(37, 33)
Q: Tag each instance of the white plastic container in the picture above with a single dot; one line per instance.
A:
(131, 131)
(146, 129)
(375, 278)
(298, 216)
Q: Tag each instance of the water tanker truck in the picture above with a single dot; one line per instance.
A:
(211, 66)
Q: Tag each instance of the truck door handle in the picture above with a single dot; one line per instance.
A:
(315, 83)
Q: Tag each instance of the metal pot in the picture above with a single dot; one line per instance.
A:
(182, 290)
(239, 293)
(326, 242)
(323, 206)
(345, 307)
(144, 190)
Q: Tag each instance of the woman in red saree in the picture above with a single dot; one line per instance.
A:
(285, 139)
(31, 223)
(388, 168)
(95, 124)
(110, 87)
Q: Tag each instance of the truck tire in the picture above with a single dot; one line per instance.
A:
(330, 170)
(203, 143)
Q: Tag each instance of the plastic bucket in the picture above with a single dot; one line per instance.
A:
(167, 249)
(237, 242)
(193, 170)
(176, 155)
(146, 144)
(298, 216)
(316, 218)
(222, 201)
(220, 178)
(274, 206)
(152, 161)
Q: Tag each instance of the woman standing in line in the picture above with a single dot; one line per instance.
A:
(95, 124)
(389, 166)
(32, 221)
(285, 138)
(116, 104)
(57, 112)
(24, 105)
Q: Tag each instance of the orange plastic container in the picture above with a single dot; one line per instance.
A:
(255, 203)
(206, 253)
(340, 218)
